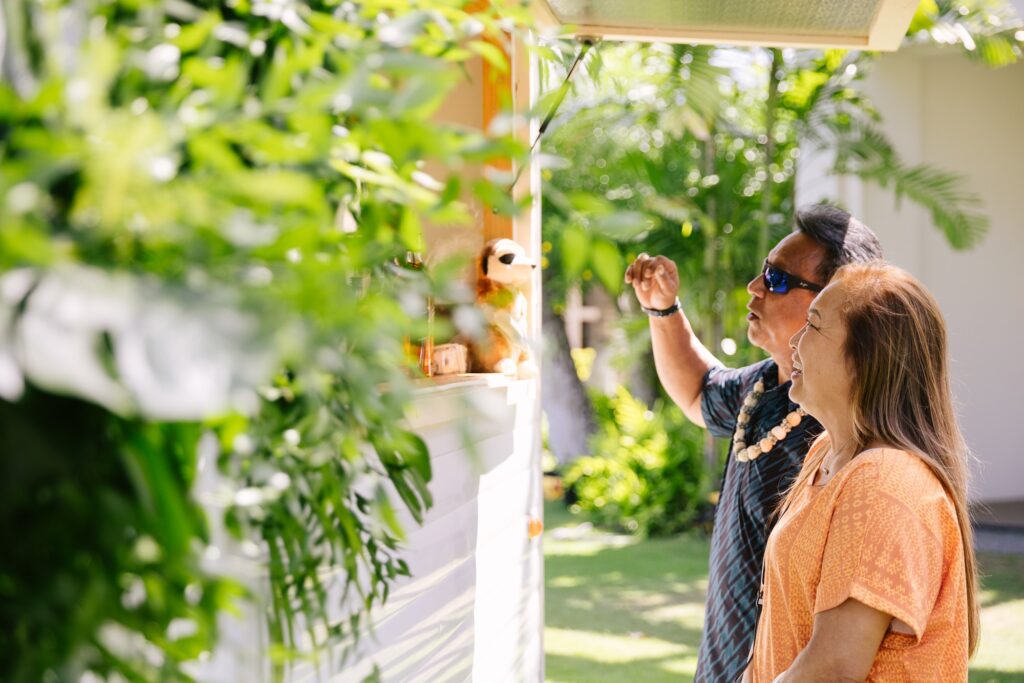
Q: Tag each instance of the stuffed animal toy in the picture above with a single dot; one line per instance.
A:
(502, 270)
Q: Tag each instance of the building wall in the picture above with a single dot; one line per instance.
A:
(942, 109)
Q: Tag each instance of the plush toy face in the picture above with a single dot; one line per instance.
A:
(505, 262)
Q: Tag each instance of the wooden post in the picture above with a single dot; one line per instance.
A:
(497, 97)
(576, 315)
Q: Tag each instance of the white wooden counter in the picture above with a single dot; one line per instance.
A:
(473, 608)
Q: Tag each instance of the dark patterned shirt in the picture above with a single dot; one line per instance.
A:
(750, 493)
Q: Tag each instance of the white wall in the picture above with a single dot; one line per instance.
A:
(942, 109)
(472, 609)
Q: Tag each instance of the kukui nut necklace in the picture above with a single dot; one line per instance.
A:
(744, 453)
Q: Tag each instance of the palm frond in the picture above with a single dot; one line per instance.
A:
(955, 210)
(699, 79)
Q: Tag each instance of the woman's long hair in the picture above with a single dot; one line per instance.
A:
(896, 348)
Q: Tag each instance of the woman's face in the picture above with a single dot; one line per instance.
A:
(822, 378)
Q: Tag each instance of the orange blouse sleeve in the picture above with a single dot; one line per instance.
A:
(884, 546)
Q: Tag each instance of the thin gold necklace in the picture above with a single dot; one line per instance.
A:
(834, 454)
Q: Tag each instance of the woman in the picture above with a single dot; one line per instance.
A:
(870, 572)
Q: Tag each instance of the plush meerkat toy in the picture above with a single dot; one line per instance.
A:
(502, 270)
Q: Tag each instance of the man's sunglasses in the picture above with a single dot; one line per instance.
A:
(779, 281)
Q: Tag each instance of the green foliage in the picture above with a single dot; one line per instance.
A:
(985, 30)
(684, 152)
(678, 169)
(99, 529)
(200, 209)
(645, 473)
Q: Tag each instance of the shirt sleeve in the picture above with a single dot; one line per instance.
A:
(722, 395)
(884, 547)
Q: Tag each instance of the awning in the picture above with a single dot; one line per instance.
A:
(856, 24)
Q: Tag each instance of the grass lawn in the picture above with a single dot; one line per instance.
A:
(620, 609)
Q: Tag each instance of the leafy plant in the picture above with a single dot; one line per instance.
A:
(644, 473)
(201, 205)
(99, 533)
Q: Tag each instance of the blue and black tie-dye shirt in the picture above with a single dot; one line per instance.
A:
(749, 495)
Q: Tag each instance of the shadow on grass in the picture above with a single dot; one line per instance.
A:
(989, 676)
(639, 670)
(626, 594)
(1002, 579)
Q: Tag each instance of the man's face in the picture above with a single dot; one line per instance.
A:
(774, 318)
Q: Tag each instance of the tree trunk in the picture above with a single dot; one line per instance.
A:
(563, 397)
(710, 331)
(771, 102)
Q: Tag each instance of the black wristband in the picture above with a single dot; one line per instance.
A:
(662, 312)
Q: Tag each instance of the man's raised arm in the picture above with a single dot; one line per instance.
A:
(679, 357)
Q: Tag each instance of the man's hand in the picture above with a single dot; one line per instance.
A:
(655, 281)
(680, 358)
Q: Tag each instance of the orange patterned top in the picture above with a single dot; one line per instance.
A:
(884, 532)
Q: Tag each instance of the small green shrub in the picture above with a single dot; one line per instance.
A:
(645, 474)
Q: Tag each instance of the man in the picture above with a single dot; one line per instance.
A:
(770, 434)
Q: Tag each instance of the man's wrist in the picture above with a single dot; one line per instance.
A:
(663, 312)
